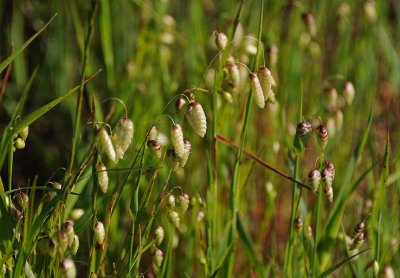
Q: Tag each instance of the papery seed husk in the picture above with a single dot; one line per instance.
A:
(158, 258)
(102, 177)
(155, 147)
(19, 143)
(197, 118)
(119, 153)
(314, 178)
(124, 132)
(265, 77)
(327, 177)
(180, 105)
(173, 217)
(328, 190)
(159, 233)
(188, 148)
(220, 40)
(24, 133)
(322, 136)
(257, 90)
(172, 160)
(75, 245)
(348, 92)
(107, 144)
(177, 140)
(153, 133)
(183, 202)
(99, 233)
(68, 268)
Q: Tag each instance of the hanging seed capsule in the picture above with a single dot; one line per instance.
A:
(52, 249)
(177, 140)
(234, 75)
(197, 118)
(357, 242)
(358, 229)
(309, 21)
(348, 92)
(75, 214)
(388, 272)
(227, 97)
(327, 178)
(173, 217)
(183, 203)
(99, 233)
(309, 233)
(119, 153)
(74, 245)
(68, 269)
(328, 190)
(188, 149)
(257, 90)
(62, 242)
(314, 179)
(190, 96)
(56, 185)
(266, 82)
(155, 147)
(68, 228)
(180, 106)
(331, 98)
(338, 119)
(24, 133)
(298, 223)
(220, 40)
(153, 133)
(376, 268)
(107, 145)
(159, 233)
(322, 136)
(124, 131)
(173, 161)
(102, 177)
(158, 258)
(303, 131)
(330, 167)
(171, 201)
(19, 143)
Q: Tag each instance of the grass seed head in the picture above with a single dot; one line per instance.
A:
(155, 147)
(298, 223)
(124, 132)
(24, 133)
(74, 245)
(119, 153)
(331, 98)
(99, 233)
(304, 130)
(180, 105)
(188, 149)
(190, 96)
(183, 203)
(197, 118)
(171, 201)
(68, 269)
(159, 233)
(221, 40)
(357, 241)
(102, 177)
(68, 227)
(348, 92)
(173, 217)
(314, 179)
(359, 228)
(19, 143)
(328, 190)
(62, 242)
(77, 213)
(153, 133)
(327, 177)
(158, 258)
(177, 140)
(257, 90)
(107, 145)
(173, 160)
(322, 136)
(266, 81)
(52, 247)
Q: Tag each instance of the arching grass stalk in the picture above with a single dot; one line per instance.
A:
(234, 191)
(212, 194)
(296, 194)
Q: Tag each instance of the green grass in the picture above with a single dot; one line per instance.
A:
(69, 68)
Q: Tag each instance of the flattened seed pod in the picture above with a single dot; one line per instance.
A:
(188, 149)
(99, 233)
(257, 90)
(314, 179)
(197, 118)
(107, 145)
(124, 131)
(119, 153)
(102, 177)
(266, 81)
(177, 140)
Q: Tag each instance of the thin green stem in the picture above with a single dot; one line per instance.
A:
(317, 230)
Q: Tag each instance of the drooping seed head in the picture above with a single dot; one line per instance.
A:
(197, 118)
(74, 245)
(68, 228)
(266, 81)
(68, 269)
(376, 268)
(62, 242)
(188, 149)
(190, 96)
(173, 160)
(19, 143)
(102, 177)
(314, 179)
(99, 233)
(180, 105)
(256, 88)
(119, 153)
(328, 190)
(107, 145)
(298, 223)
(309, 21)
(155, 147)
(52, 247)
(153, 133)
(327, 178)
(349, 92)
(357, 241)
(24, 133)
(183, 203)
(220, 40)
(227, 97)
(234, 75)
(124, 132)
(173, 217)
(158, 258)
(23, 200)
(330, 167)
(159, 233)
(177, 140)
(56, 185)
(359, 228)
(77, 213)
(322, 136)
(171, 201)
(304, 132)
(388, 272)
(331, 98)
